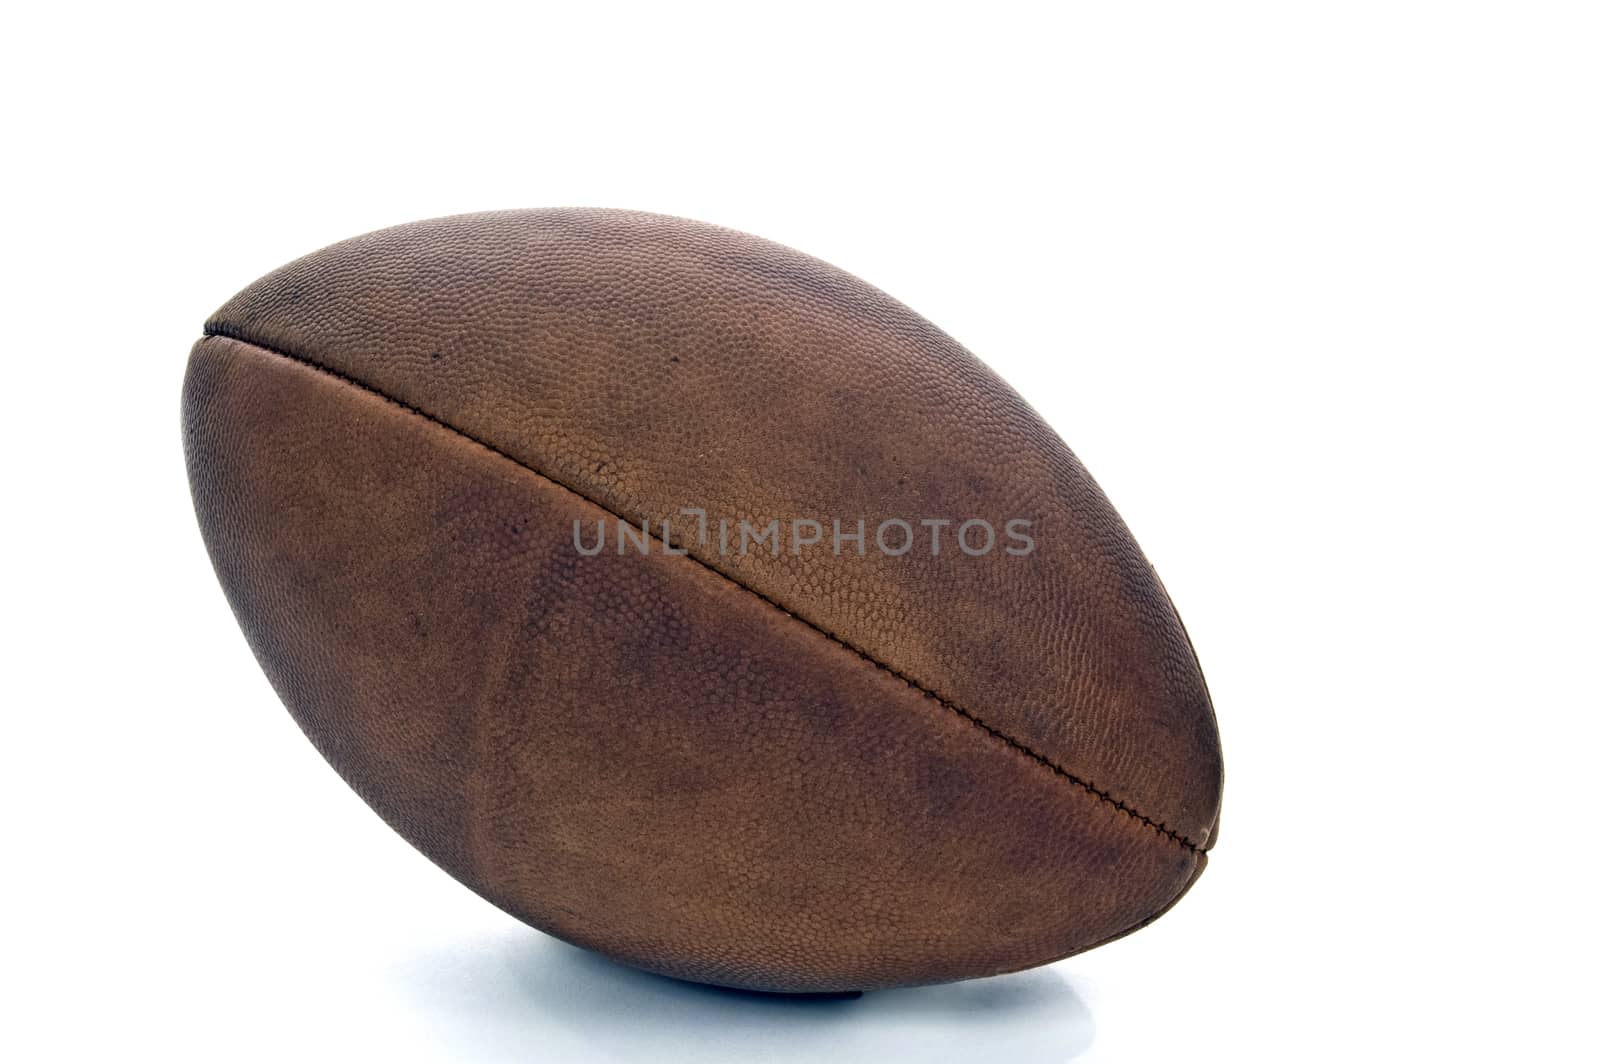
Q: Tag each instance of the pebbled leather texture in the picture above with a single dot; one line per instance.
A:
(806, 772)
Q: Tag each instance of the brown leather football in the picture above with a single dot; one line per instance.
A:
(697, 603)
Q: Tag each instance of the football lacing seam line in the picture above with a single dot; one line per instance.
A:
(227, 331)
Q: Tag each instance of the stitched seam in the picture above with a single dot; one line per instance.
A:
(228, 331)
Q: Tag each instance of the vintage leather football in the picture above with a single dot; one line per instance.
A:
(596, 550)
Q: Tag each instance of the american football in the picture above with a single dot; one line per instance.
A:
(697, 603)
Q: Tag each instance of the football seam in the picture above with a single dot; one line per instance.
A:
(227, 331)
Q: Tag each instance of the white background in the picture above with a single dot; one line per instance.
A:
(1314, 290)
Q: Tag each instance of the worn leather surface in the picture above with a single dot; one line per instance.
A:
(821, 772)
